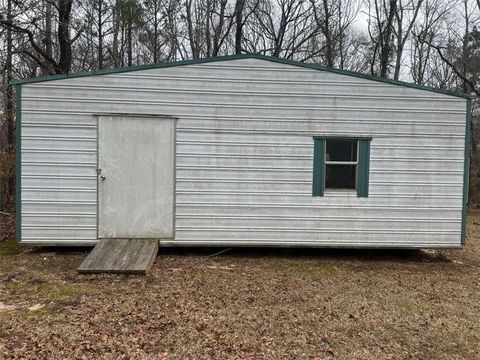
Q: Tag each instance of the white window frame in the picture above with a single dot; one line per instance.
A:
(327, 162)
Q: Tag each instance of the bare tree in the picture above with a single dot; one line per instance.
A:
(427, 28)
(284, 28)
(35, 51)
(333, 19)
(456, 52)
(381, 16)
(154, 19)
(48, 37)
(194, 36)
(209, 24)
(102, 10)
(173, 30)
(239, 23)
(7, 141)
(91, 50)
(406, 14)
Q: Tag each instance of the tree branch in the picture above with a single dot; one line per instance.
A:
(455, 70)
(77, 35)
(31, 38)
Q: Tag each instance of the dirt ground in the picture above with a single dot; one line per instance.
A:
(249, 304)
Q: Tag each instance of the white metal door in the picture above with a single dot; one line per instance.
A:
(136, 168)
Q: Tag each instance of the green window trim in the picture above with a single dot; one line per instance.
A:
(363, 166)
(318, 167)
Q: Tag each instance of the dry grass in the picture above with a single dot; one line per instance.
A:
(246, 304)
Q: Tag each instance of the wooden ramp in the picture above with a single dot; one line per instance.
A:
(123, 256)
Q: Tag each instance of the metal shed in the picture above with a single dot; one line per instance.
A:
(243, 150)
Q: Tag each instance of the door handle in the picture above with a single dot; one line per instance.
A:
(102, 178)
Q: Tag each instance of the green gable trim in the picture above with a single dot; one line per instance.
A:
(318, 186)
(363, 167)
(236, 57)
(18, 163)
(466, 169)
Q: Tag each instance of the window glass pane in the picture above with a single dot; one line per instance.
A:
(340, 176)
(341, 150)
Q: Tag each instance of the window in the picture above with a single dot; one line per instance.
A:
(341, 164)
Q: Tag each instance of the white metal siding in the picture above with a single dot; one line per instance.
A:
(244, 154)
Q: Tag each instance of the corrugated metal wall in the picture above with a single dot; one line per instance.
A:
(244, 155)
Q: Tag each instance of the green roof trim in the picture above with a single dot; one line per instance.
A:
(236, 57)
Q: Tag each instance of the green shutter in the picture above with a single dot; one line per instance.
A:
(363, 167)
(318, 167)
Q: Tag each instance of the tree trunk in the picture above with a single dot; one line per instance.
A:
(217, 36)
(278, 40)
(465, 54)
(65, 62)
(191, 36)
(328, 36)
(155, 33)
(208, 39)
(7, 140)
(129, 44)
(116, 30)
(341, 35)
(398, 61)
(402, 36)
(100, 34)
(47, 70)
(239, 5)
(386, 41)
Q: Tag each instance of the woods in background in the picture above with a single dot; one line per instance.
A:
(428, 42)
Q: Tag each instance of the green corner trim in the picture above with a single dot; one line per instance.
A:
(18, 163)
(363, 167)
(318, 184)
(466, 169)
(235, 57)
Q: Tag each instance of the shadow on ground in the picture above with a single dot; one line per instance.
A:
(365, 255)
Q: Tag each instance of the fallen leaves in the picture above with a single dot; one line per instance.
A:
(246, 305)
(4, 307)
(219, 267)
(36, 307)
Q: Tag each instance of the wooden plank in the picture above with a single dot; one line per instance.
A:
(123, 256)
